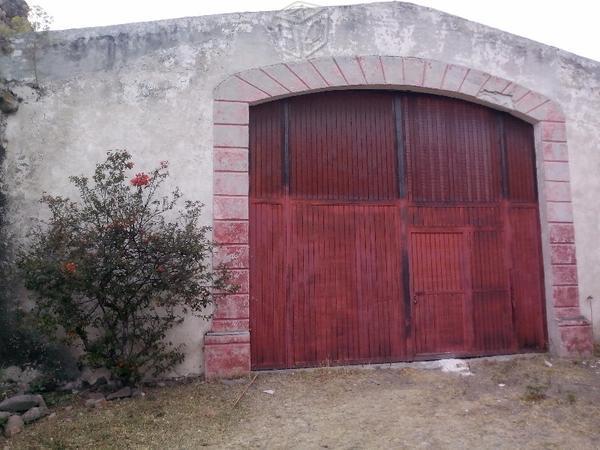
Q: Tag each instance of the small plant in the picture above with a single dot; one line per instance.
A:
(571, 398)
(117, 270)
(535, 392)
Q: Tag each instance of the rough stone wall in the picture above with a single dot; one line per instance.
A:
(148, 87)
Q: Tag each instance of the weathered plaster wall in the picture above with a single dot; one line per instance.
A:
(148, 87)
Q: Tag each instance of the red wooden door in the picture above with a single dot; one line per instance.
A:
(390, 226)
(439, 292)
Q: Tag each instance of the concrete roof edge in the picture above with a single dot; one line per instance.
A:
(141, 28)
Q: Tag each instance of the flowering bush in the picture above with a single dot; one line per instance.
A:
(113, 274)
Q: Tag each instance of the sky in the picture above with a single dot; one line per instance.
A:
(571, 25)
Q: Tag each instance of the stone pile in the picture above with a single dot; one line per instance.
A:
(96, 386)
(19, 410)
(97, 399)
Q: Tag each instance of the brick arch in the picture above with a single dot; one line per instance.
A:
(227, 345)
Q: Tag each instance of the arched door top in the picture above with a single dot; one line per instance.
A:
(391, 72)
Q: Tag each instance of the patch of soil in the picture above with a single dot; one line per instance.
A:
(521, 403)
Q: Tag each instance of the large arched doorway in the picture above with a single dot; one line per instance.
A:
(227, 349)
(389, 226)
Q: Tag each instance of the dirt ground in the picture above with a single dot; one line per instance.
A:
(522, 403)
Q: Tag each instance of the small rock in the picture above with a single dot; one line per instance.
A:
(14, 426)
(94, 396)
(107, 388)
(101, 381)
(71, 386)
(137, 393)
(52, 416)
(269, 391)
(95, 403)
(95, 377)
(41, 402)
(121, 393)
(501, 385)
(69, 408)
(9, 102)
(35, 413)
(21, 403)
(548, 363)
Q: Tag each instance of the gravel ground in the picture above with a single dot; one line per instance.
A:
(520, 403)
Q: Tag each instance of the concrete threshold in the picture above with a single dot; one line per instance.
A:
(438, 364)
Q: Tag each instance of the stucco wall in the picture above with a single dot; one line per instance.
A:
(149, 87)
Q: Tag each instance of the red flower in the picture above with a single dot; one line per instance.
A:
(140, 179)
(70, 267)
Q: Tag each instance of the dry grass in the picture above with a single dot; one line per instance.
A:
(538, 407)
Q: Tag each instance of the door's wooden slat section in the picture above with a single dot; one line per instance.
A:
(346, 292)
(267, 239)
(342, 147)
(526, 278)
(520, 157)
(437, 263)
(492, 308)
(266, 157)
(453, 154)
(267, 281)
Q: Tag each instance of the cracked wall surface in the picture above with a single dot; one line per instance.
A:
(148, 87)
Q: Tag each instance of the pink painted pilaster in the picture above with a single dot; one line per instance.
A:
(574, 331)
(227, 345)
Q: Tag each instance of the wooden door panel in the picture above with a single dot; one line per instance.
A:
(492, 321)
(453, 153)
(526, 278)
(346, 290)
(438, 319)
(266, 134)
(492, 305)
(438, 286)
(268, 286)
(342, 147)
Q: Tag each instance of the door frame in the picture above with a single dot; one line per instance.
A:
(227, 344)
